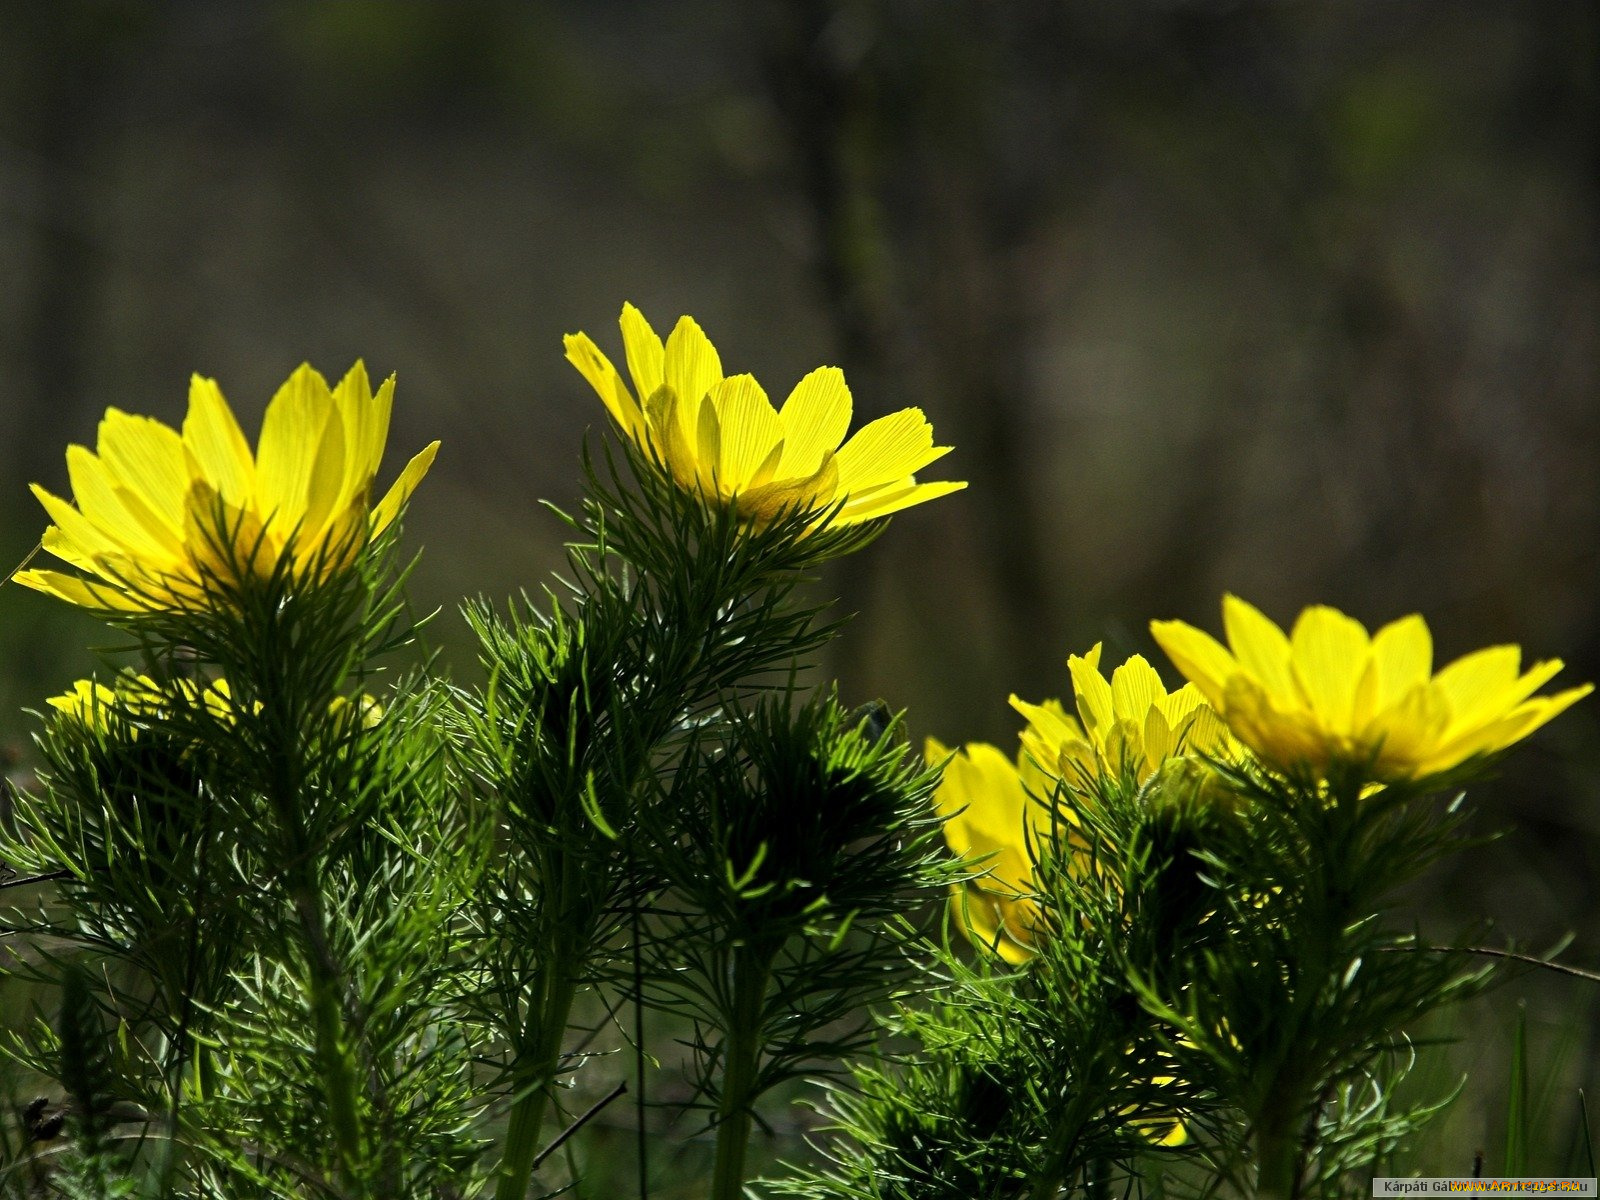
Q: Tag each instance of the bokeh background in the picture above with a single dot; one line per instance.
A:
(1293, 298)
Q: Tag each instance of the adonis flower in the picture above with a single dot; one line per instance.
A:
(162, 516)
(990, 819)
(721, 438)
(1127, 724)
(1330, 693)
(89, 702)
(136, 696)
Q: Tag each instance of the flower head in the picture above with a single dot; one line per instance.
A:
(161, 515)
(1329, 693)
(1129, 724)
(990, 819)
(87, 702)
(136, 697)
(720, 437)
(91, 703)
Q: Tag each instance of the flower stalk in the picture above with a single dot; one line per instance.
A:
(534, 1071)
(741, 1063)
(328, 1024)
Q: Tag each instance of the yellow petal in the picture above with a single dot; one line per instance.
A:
(337, 546)
(767, 501)
(84, 593)
(365, 419)
(1329, 654)
(1546, 707)
(1161, 740)
(750, 430)
(87, 701)
(87, 539)
(766, 468)
(95, 562)
(594, 366)
(1499, 733)
(80, 541)
(1498, 701)
(394, 500)
(1054, 747)
(691, 363)
(987, 782)
(1198, 656)
(646, 357)
(1477, 684)
(291, 434)
(815, 419)
(1178, 704)
(1258, 644)
(1407, 732)
(886, 450)
(1135, 688)
(116, 509)
(889, 501)
(325, 486)
(226, 544)
(214, 438)
(1403, 652)
(708, 447)
(1289, 741)
(950, 798)
(667, 441)
(1202, 732)
(146, 457)
(1093, 694)
(991, 923)
(1048, 718)
(1122, 750)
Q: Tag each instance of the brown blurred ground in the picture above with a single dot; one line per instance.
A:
(1294, 299)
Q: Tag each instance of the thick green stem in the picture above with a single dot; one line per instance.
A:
(1277, 1163)
(327, 1017)
(532, 1073)
(741, 1060)
(283, 719)
(1047, 1184)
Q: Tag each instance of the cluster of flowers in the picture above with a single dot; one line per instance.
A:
(165, 519)
(1326, 697)
(193, 523)
(161, 516)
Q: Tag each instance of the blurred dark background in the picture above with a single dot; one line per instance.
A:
(1296, 299)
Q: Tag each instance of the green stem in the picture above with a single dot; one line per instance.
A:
(1277, 1163)
(282, 719)
(531, 1075)
(327, 1017)
(740, 1062)
(1047, 1184)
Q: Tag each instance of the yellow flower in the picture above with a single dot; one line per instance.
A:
(989, 818)
(720, 437)
(366, 710)
(994, 810)
(1331, 693)
(163, 516)
(87, 701)
(1163, 1131)
(1129, 723)
(90, 702)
